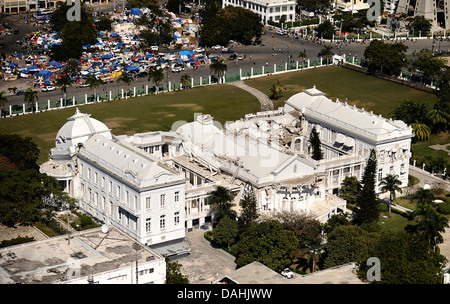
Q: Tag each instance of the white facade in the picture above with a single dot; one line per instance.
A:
(348, 134)
(267, 10)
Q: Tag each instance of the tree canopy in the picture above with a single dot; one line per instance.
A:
(388, 58)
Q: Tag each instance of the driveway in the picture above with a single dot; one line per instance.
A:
(205, 263)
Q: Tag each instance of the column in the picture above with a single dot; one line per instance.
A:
(85, 98)
(146, 89)
(274, 67)
(37, 107)
(262, 67)
(110, 95)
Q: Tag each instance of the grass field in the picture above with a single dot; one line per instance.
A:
(224, 103)
(364, 91)
(141, 114)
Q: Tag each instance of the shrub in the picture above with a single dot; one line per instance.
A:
(16, 241)
(444, 208)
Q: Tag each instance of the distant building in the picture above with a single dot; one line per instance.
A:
(269, 10)
(96, 256)
(435, 10)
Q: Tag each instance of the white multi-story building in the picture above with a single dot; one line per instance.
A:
(268, 10)
(155, 185)
(348, 134)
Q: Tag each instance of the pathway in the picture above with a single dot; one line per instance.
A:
(266, 103)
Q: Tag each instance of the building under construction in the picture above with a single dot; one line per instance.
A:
(435, 10)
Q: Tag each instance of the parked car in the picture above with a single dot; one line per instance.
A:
(216, 47)
(177, 69)
(240, 56)
(232, 57)
(199, 50)
(48, 88)
(287, 273)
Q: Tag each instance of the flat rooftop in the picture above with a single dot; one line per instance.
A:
(53, 260)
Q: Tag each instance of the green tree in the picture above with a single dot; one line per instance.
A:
(410, 111)
(423, 196)
(267, 243)
(226, 232)
(367, 204)
(277, 90)
(22, 151)
(421, 25)
(325, 30)
(314, 5)
(430, 223)
(72, 66)
(406, 258)
(350, 188)
(429, 66)
(440, 116)
(249, 207)
(421, 130)
(185, 80)
(389, 58)
(336, 220)
(390, 183)
(313, 248)
(94, 83)
(218, 67)
(30, 98)
(103, 23)
(220, 199)
(64, 82)
(326, 52)
(126, 79)
(156, 75)
(173, 272)
(348, 243)
(303, 56)
(3, 101)
(315, 143)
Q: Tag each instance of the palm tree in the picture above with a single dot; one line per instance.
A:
(276, 90)
(30, 97)
(326, 52)
(126, 79)
(391, 183)
(156, 75)
(218, 67)
(430, 223)
(3, 101)
(64, 81)
(422, 130)
(302, 55)
(94, 83)
(439, 117)
(185, 80)
(313, 247)
(72, 66)
(423, 196)
(221, 199)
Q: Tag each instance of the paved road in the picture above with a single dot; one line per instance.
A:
(264, 100)
(286, 49)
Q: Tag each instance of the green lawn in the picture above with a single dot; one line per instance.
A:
(141, 114)
(364, 91)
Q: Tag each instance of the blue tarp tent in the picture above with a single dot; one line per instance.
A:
(33, 68)
(132, 68)
(136, 11)
(45, 74)
(55, 64)
(107, 56)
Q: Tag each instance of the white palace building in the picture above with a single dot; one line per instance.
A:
(153, 186)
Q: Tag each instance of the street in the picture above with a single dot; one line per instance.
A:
(275, 49)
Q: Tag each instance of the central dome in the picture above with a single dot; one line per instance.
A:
(79, 128)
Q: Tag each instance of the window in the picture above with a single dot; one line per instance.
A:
(162, 222)
(162, 200)
(96, 178)
(103, 182)
(135, 202)
(177, 218)
(89, 174)
(177, 196)
(148, 225)
(81, 169)
(118, 192)
(380, 174)
(127, 197)
(110, 186)
(111, 207)
(148, 203)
